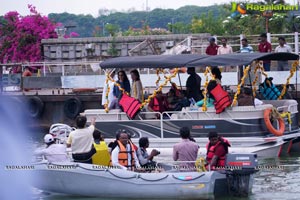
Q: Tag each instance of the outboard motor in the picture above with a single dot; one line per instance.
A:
(239, 172)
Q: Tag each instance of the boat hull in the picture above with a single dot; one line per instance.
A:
(92, 180)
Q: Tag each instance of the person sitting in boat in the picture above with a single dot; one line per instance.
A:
(101, 157)
(216, 73)
(217, 148)
(209, 102)
(53, 152)
(146, 160)
(81, 140)
(125, 84)
(124, 154)
(137, 87)
(193, 84)
(158, 104)
(221, 97)
(185, 151)
(246, 98)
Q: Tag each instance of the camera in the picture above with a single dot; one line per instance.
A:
(158, 152)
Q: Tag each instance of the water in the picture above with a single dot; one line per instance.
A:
(278, 178)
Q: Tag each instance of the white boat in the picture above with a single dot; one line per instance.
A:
(99, 181)
(243, 126)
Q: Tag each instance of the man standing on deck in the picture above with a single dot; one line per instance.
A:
(282, 65)
(212, 48)
(81, 140)
(193, 85)
(265, 47)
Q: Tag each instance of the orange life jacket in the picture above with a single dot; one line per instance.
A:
(123, 155)
(211, 151)
(222, 99)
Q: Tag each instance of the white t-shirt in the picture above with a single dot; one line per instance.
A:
(115, 157)
(54, 153)
(224, 50)
(285, 48)
(81, 140)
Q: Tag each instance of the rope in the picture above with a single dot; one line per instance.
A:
(292, 72)
(207, 70)
(238, 91)
(200, 164)
(154, 180)
(159, 89)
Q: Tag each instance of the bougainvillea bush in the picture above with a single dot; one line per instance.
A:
(20, 37)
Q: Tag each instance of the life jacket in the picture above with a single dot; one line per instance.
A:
(222, 99)
(269, 90)
(123, 156)
(129, 105)
(101, 157)
(211, 151)
(155, 107)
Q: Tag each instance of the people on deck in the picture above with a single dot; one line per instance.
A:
(212, 48)
(265, 47)
(26, 73)
(185, 151)
(102, 156)
(217, 148)
(282, 65)
(124, 154)
(125, 84)
(246, 48)
(225, 49)
(146, 160)
(247, 99)
(53, 152)
(81, 140)
(193, 85)
(110, 96)
(158, 104)
(137, 87)
(216, 74)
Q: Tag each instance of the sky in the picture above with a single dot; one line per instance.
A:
(92, 6)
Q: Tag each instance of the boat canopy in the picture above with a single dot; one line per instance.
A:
(151, 61)
(193, 60)
(236, 59)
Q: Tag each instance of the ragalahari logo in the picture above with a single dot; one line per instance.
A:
(238, 9)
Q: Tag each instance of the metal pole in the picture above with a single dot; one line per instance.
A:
(296, 36)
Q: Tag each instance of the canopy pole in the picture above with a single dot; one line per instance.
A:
(249, 74)
(179, 81)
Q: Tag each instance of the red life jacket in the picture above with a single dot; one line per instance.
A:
(222, 99)
(211, 151)
(129, 105)
(155, 106)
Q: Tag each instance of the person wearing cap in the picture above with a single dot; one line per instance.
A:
(217, 148)
(186, 150)
(282, 65)
(212, 48)
(265, 47)
(53, 152)
(124, 154)
(81, 140)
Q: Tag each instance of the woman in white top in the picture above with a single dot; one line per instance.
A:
(137, 87)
